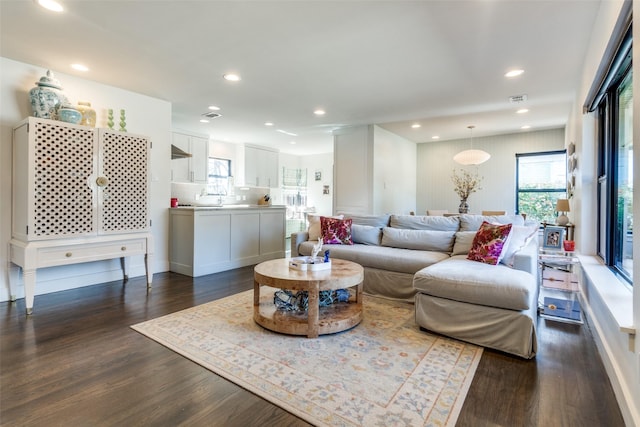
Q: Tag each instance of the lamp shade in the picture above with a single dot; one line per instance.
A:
(562, 205)
(471, 157)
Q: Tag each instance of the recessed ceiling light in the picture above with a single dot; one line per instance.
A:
(204, 121)
(80, 67)
(268, 123)
(51, 5)
(522, 111)
(514, 73)
(319, 112)
(214, 107)
(232, 77)
(435, 137)
(292, 143)
(415, 125)
(526, 127)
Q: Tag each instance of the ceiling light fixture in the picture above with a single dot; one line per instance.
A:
(522, 111)
(214, 107)
(416, 126)
(232, 77)
(471, 156)
(80, 67)
(286, 133)
(204, 121)
(268, 123)
(319, 112)
(51, 5)
(292, 143)
(526, 127)
(514, 73)
(435, 137)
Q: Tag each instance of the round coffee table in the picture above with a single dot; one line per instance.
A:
(317, 320)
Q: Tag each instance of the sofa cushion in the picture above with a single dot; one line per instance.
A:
(489, 242)
(463, 242)
(366, 234)
(370, 220)
(424, 222)
(314, 226)
(460, 279)
(424, 240)
(380, 257)
(472, 222)
(336, 231)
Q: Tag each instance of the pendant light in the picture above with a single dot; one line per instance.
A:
(471, 156)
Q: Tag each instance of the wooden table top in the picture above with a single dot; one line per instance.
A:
(277, 273)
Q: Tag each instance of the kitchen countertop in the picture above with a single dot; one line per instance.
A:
(231, 207)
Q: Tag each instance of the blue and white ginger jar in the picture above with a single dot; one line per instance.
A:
(46, 97)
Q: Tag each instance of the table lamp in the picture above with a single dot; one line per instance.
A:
(562, 207)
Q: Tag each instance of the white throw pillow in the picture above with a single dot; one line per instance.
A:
(520, 237)
(314, 225)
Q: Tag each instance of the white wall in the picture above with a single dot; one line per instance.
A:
(435, 166)
(145, 116)
(323, 163)
(607, 301)
(394, 173)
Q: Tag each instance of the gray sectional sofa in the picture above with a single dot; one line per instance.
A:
(423, 259)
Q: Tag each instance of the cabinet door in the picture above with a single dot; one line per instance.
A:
(245, 235)
(252, 166)
(270, 170)
(261, 167)
(199, 159)
(123, 199)
(180, 168)
(58, 160)
(272, 233)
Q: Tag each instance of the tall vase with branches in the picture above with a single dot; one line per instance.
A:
(464, 184)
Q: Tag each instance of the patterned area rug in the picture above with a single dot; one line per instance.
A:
(383, 372)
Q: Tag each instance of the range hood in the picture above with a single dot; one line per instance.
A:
(177, 153)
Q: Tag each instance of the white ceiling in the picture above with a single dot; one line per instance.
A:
(392, 63)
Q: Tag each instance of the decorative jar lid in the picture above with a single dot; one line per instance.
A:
(49, 81)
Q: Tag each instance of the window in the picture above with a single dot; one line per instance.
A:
(218, 176)
(615, 165)
(541, 179)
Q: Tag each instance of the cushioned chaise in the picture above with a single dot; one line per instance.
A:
(490, 305)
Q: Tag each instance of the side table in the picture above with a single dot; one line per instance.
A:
(560, 286)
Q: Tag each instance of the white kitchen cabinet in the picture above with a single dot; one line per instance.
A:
(260, 167)
(205, 240)
(194, 168)
(79, 194)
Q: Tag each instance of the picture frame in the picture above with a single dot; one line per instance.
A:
(318, 175)
(552, 238)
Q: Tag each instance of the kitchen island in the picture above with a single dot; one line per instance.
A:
(209, 239)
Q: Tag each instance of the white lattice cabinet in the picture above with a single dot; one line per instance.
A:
(79, 194)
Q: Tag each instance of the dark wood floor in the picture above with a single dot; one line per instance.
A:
(76, 362)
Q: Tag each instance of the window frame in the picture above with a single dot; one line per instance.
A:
(538, 190)
(214, 176)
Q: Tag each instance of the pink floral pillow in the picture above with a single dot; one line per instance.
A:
(336, 231)
(489, 242)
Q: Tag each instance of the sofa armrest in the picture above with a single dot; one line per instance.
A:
(526, 259)
(296, 239)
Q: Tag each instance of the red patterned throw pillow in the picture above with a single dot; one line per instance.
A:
(489, 242)
(336, 231)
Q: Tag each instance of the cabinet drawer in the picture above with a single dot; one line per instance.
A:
(71, 254)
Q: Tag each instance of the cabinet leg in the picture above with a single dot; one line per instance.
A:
(123, 265)
(29, 288)
(148, 262)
